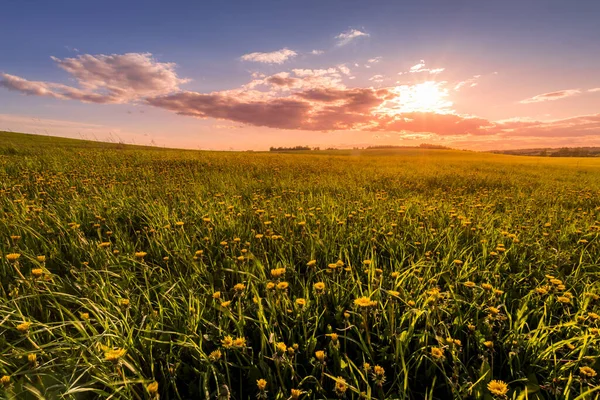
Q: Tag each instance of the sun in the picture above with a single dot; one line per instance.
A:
(427, 96)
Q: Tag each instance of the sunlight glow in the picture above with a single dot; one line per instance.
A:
(428, 96)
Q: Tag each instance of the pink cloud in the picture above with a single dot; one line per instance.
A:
(274, 57)
(346, 37)
(551, 96)
(104, 79)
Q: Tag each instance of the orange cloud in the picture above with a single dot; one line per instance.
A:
(551, 96)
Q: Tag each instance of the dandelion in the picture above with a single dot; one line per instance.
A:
(140, 254)
(239, 287)
(469, 284)
(32, 359)
(37, 272)
(393, 293)
(564, 299)
(378, 375)
(5, 380)
(340, 386)
(152, 388)
(365, 302)
(215, 356)
(587, 372)
(320, 355)
(395, 275)
(498, 388)
(227, 342)
(13, 257)
(489, 344)
(225, 304)
(437, 353)
(104, 245)
(541, 290)
(114, 355)
(84, 316)
(487, 286)
(239, 342)
(301, 302)
(41, 259)
(124, 302)
(261, 384)
(270, 286)
(23, 327)
(295, 394)
(319, 287)
(282, 285)
(277, 272)
(493, 310)
(216, 295)
(311, 263)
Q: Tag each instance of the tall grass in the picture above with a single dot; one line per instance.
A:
(441, 271)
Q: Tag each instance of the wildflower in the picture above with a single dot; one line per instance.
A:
(227, 342)
(270, 285)
(152, 388)
(37, 272)
(41, 259)
(378, 375)
(493, 310)
(469, 284)
(225, 304)
(239, 287)
(114, 355)
(393, 293)
(13, 257)
(301, 302)
(179, 223)
(395, 275)
(239, 342)
(489, 344)
(334, 337)
(564, 299)
(311, 263)
(487, 286)
(541, 290)
(140, 254)
(437, 353)
(367, 367)
(411, 303)
(124, 302)
(216, 295)
(215, 355)
(23, 327)
(587, 372)
(498, 292)
(104, 245)
(556, 281)
(340, 386)
(5, 380)
(296, 393)
(85, 316)
(320, 355)
(319, 287)
(365, 302)
(261, 384)
(277, 272)
(282, 285)
(32, 358)
(458, 262)
(498, 388)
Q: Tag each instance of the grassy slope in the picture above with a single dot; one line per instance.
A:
(411, 212)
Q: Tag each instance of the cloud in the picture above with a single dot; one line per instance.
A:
(376, 78)
(344, 69)
(274, 57)
(471, 82)
(594, 90)
(104, 79)
(374, 60)
(346, 37)
(317, 52)
(551, 96)
(420, 67)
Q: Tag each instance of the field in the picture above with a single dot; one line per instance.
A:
(136, 273)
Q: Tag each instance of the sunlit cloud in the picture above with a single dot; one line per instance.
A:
(594, 90)
(274, 57)
(420, 67)
(471, 82)
(374, 60)
(551, 96)
(317, 52)
(346, 37)
(104, 79)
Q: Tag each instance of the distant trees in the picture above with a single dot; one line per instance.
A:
(295, 148)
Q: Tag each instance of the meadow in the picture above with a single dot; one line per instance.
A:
(139, 273)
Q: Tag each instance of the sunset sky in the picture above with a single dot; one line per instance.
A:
(248, 75)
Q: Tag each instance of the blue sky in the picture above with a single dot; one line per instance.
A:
(506, 52)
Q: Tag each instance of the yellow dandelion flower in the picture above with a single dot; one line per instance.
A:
(487, 286)
(469, 284)
(140, 254)
(340, 386)
(493, 310)
(295, 394)
(365, 302)
(261, 384)
(227, 342)
(239, 287)
(270, 285)
(541, 290)
(320, 355)
(23, 327)
(41, 259)
(216, 295)
(114, 355)
(497, 388)
(225, 304)
(564, 299)
(311, 263)
(5, 380)
(277, 272)
(215, 355)
(84, 316)
(13, 257)
(301, 302)
(319, 286)
(239, 342)
(282, 285)
(37, 272)
(393, 293)
(489, 344)
(280, 347)
(152, 388)
(587, 371)
(437, 352)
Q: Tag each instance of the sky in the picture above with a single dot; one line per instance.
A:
(248, 75)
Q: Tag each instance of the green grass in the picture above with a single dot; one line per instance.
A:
(409, 229)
